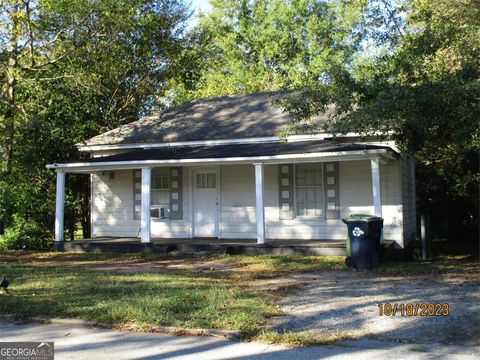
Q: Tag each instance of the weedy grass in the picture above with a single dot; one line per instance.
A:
(30, 256)
(444, 264)
(297, 339)
(176, 298)
(66, 285)
(271, 266)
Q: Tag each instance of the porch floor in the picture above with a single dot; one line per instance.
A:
(205, 246)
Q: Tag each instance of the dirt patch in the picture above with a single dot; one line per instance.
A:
(295, 281)
(130, 265)
(348, 301)
(152, 266)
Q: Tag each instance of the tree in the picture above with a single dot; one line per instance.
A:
(407, 68)
(80, 68)
(426, 92)
(266, 45)
(421, 86)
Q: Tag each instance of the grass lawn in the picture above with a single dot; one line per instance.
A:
(66, 285)
(176, 298)
(42, 286)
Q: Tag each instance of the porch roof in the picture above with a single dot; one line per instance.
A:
(275, 152)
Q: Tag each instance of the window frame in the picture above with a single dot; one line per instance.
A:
(205, 180)
(169, 189)
(295, 207)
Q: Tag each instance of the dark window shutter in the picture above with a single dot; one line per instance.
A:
(176, 211)
(137, 194)
(332, 202)
(285, 190)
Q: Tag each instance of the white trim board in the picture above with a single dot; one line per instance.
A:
(180, 143)
(271, 159)
(249, 140)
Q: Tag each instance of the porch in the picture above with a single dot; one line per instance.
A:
(247, 196)
(206, 246)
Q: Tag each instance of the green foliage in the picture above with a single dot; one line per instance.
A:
(71, 70)
(267, 45)
(408, 68)
(416, 77)
(78, 68)
(26, 235)
(425, 92)
(460, 265)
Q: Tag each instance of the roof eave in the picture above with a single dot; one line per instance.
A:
(384, 154)
(249, 140)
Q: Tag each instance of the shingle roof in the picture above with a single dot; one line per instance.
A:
(238, 150)
(227, 117)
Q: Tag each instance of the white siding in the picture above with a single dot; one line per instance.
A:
(112, 207)
(356, 194)
(238, 203)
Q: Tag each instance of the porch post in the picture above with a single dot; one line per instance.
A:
(260, 209)
(59, 206)
(377, 194)
(145, 212)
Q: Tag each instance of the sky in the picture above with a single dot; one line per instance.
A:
(197, 5)
(203, 5)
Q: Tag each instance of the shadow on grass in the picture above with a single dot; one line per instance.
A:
(173, 299)
(201, 299)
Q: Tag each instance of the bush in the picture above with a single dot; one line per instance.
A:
(26, 235)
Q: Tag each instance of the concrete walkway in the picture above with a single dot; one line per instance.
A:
(82, 342)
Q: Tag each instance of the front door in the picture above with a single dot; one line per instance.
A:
(205, 202)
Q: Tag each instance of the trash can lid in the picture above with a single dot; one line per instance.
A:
(361, 218)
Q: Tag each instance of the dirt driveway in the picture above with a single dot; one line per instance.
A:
(347, 301)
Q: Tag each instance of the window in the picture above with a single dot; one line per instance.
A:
(309, 189)
(165, 193)
(206, 181)
(160, 193)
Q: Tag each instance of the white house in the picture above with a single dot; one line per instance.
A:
(216, 168)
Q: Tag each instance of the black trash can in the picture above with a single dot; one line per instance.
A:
(364, 232)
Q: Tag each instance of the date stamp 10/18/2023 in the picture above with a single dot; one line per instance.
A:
(413, 309)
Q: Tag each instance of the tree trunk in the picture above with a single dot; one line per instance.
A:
(12, 55)
(71, 232)
(86, 208)
(9, 124)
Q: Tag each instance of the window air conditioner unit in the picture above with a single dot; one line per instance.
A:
(160, 212)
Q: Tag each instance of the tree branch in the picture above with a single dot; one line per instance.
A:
(48, 78)
(49, 62)
(30, 31)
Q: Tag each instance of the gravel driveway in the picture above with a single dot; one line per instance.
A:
(347, 301)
